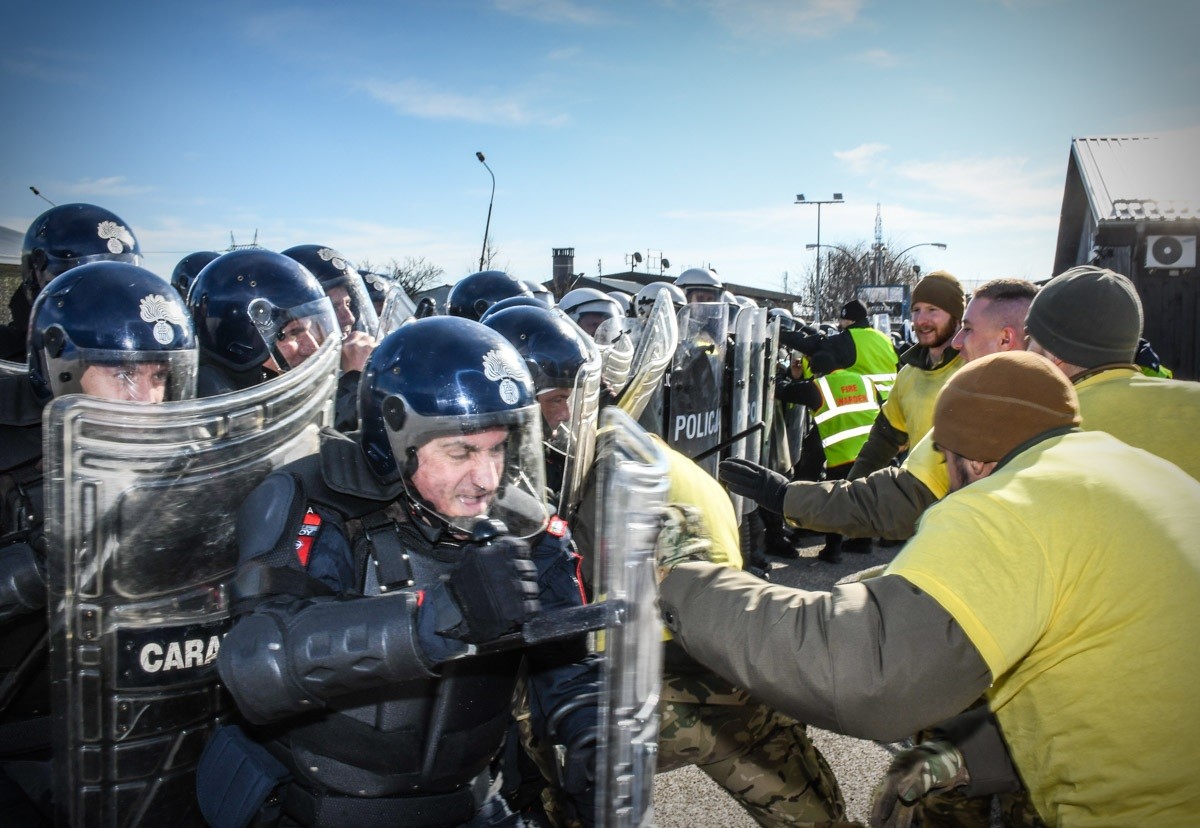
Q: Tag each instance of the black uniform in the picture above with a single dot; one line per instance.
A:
(25, 702)
(336, 662)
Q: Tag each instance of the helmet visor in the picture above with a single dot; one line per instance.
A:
(292, 334)
(58, 265)
(352, 306)
(124, 376)
(464, 468)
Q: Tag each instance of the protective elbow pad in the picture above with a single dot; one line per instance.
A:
(22, 581)
(282, 660)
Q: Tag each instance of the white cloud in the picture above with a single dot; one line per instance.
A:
(113, 185)
(862, 159)
(994, 186)
(421, 100)
(879, 58)
(805, 18)
(555, 11)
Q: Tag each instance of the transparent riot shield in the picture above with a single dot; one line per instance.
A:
(769, 351)
(657, 339)
(397, 309)
(696, 384)
(141, 504)
(746, 390)
(11, 369)
(633, 487)
(579, 433)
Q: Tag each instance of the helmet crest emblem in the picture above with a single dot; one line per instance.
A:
(499, 367)
(118, 237)
(329, 255)
(161, 313)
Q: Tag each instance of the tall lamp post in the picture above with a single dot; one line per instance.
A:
(849, 254)
(488, 225)
(800, 199)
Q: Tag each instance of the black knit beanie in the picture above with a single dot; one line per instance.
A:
(1087, 316)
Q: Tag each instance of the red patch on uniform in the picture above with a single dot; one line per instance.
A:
(307, 534)
(557, 527)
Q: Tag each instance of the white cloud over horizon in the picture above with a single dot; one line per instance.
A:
(422, 100)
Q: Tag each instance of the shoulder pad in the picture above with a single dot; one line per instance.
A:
(269, 520)
(18, 404)
(345, 471)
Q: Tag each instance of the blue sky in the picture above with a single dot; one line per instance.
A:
(676, 127)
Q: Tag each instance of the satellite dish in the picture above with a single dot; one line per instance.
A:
(637, 257)
(665, 263)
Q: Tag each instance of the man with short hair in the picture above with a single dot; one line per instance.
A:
(1022, 584)
(937, 306)
(1088, 322)
(888, 502)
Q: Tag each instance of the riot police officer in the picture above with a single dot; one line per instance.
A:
(589, 308)
(105, 329)
(63, 237)
(257, 314)
(700, 284)
(188, 268)
(476, 292)
(356, 318)
(374, 577)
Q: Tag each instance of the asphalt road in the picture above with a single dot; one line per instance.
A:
(686, 798)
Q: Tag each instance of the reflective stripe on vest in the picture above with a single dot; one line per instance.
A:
(845, 417)
(875, 359)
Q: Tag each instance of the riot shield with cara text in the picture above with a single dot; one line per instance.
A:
(141, 505)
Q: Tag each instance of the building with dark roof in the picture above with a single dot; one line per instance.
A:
(1132, 203)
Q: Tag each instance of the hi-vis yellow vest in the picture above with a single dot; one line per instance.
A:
(848, 410)
(875, 358)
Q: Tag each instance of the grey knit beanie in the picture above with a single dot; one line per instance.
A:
(1087, 316)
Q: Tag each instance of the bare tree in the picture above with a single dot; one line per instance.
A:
(844, 269)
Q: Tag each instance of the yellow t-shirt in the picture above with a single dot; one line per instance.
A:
(694, 486)
(909, 407)
(1159, 415)
(1075, 571)
(927, 464)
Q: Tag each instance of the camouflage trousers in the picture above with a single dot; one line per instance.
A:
(953, 809)
(762, 758)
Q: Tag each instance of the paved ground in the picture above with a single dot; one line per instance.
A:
(686, 798)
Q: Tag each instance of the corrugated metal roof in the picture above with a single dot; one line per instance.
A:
(1153, 177)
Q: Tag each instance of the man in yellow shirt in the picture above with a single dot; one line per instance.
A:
(1061, 576)
(1088, 322)
(937, 308)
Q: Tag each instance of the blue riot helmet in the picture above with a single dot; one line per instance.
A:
(513, 302)
(566, 368)
(378, 285)
(442, 391)
(255, 308)
(473, 294)
(69, 235)
(540, 292)
(112, 330)
(344, 287)
(188, 269)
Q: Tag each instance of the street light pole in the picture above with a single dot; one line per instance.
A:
(488, 225)
(837, 199)
(898, 256)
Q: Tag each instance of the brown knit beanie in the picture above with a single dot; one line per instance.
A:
(942, 290)
(997, 402)
(1087, 316)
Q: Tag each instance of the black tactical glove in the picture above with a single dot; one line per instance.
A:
(805, 339)
(494, 588)
(751, 480)
(22, 580)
